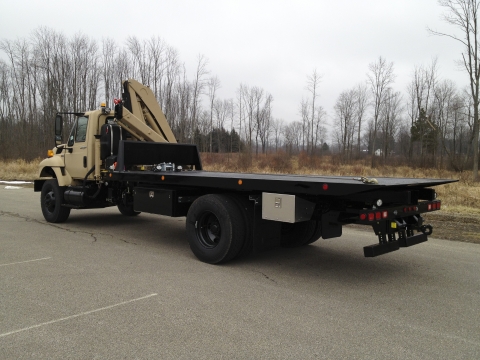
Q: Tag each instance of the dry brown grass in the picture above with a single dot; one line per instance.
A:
(19, 170)
(462, 197)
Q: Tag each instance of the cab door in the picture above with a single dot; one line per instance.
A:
(76, 151)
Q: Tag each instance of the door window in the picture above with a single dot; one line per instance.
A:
(81, 133)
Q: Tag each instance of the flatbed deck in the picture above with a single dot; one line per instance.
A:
(293, 184)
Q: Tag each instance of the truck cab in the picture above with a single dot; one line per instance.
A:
(71, 161)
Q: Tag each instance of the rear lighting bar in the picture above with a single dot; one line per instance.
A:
(376, 215)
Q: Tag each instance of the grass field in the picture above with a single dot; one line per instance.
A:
(460, 198)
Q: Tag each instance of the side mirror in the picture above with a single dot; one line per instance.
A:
(118, 111)
(58, 129)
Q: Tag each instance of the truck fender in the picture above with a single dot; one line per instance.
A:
(55, 167)
(63, 178)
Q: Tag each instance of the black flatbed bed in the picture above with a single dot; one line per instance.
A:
(285, 183)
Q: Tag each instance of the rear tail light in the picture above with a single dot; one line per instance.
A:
(374, 215)
(384, 214)
(435, 205)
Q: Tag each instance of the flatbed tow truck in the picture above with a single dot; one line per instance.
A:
(128, 157)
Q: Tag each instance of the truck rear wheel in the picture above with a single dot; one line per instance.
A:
(300, 233)
(51, 200)
(127, 210)
(216, 228)
(246, 208)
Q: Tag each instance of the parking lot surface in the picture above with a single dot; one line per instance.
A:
(105, 286)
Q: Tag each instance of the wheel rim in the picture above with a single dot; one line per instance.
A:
(208, 230)
(49, 201)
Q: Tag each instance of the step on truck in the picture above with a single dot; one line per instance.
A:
(128, 157)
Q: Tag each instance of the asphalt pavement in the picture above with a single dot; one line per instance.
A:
(105, 286)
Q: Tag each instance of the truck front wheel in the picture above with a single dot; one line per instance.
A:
(216, 228)
(51, 200)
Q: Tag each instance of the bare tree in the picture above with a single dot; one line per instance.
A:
(420, 94)
(313, 82)
(293, 137)
(213, 85)
(198, 86)
(362, 99)
(277, 126)
(390, 121)
(345, 121)
(463, 14)
(380, 77)
(222, 111)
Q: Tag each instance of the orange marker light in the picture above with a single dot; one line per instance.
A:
(240, 182)
(163, 177)
(50, 153)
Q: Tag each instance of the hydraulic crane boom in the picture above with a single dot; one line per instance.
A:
(140, 114)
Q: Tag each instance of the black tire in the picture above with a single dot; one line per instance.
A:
(51, 200)
(246, 208)
(317, 234)
(300, 233)
(216, 228)
(127, 210)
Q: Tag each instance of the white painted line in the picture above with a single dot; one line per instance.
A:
(75, 316)
(15, 182)
(26, 261)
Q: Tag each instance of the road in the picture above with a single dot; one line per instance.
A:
(103, 286)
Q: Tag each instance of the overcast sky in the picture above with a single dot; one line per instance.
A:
(270, 44)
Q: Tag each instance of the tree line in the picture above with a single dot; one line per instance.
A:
(430, 125)
(49, 72)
